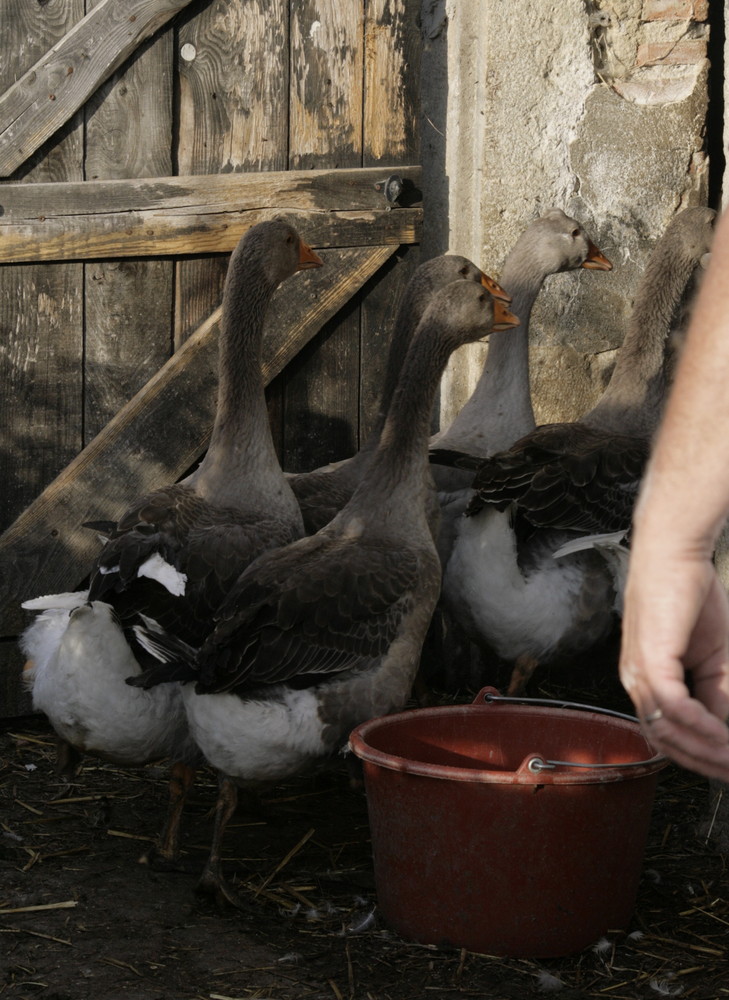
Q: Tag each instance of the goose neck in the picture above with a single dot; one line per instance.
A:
(632, 401)
(400, 463)
(241, 444)
(499, 410)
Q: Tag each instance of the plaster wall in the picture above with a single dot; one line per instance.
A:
(598, 108)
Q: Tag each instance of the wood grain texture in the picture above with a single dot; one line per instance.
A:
(157, 436)
(66, 75)
(391, 81)
(40, 321)
(326, 84)
(316, 190)
(391, 135)
(320, 395)
(164, 216)
(40, 307)
(127, 303)
(164, 235)
(233, 78)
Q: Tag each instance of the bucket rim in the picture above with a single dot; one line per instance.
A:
(523, 775)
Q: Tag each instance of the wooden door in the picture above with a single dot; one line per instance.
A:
(138, 140)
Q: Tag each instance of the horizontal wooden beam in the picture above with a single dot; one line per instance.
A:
(158, 436)
(61, 81)
(201, 214)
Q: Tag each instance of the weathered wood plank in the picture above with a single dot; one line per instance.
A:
(233, 85)
(51, 92)
(157, 436)
(233, 78)
(42, 391)
(129, 118)
(202, 214)
(321, 396)
(392, 81)
(127, 303)
(40, 326)
(40, 323)
(325, 130)
(170, 235)
(316, 190)
(41, 308)
(128, 307)
(391, 134)
(325, 127)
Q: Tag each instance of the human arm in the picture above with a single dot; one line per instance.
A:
(676, 616)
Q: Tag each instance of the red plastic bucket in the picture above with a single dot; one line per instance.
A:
(507, 827)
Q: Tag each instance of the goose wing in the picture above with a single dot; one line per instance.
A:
(566, 476)
(320, 497)
(318, 607)
(173, 558)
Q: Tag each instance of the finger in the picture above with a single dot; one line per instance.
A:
(686, 749)
(706, 712)
(691, 717)
(711, 686)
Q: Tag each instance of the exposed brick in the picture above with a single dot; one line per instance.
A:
(675, 10)
(686, 52)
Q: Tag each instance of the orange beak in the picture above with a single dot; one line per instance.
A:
(307, 257)
(595, 260)
(504, 319)
(494, 289)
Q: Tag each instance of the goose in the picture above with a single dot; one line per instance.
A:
(614, 547)
(323, 492)
(499, 411)
(501, 581)
(176, 551)
(324, 633)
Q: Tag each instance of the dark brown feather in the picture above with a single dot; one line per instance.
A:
(565, 476)
(316, 607)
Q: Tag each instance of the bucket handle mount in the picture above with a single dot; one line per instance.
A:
(538, 764)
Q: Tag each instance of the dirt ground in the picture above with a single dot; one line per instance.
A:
(81, 917)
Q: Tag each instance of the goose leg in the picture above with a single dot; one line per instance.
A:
(524, 667)
(68, 759)
(166, 854)
(212, 881)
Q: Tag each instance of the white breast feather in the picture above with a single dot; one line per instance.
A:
(517, 614)
(80, 662)
(258, 739)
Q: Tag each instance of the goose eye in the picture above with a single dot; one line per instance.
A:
(463, 270)
(575, 233)
(289, 238)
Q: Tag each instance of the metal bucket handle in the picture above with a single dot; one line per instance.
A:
(534, 763)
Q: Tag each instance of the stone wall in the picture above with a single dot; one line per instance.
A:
(596, 107)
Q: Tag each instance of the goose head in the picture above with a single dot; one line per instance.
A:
(274, 250)
(466, 312)
(440, 271)
(559, 243)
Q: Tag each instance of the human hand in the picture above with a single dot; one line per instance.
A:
(677, 620)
